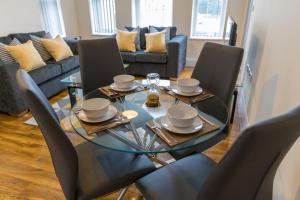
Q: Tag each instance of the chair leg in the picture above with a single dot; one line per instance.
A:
(235, 95)
(122, 193)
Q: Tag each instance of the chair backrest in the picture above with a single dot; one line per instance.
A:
(62, 152)
(100, 61)
(247, 171)
(217, 69)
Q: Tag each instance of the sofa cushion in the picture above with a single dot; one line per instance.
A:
(69, 63)
(173, 30)
(45, 73)
(128, 56)
(24, 37)
(5, 40)
(141, 56)
(143, 31)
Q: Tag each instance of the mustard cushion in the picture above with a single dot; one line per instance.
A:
(26, 55)
(57, 47)
(155, 42)
(126, 40)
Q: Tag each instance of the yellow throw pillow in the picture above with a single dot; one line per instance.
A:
(57, 47)
(126, 40)
(26, 55)
(156, 42)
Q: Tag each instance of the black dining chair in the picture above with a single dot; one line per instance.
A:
(100, 61)
(217, 70)
(246, 172)
(87, 170)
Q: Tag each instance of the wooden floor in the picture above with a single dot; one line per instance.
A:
(26, 170)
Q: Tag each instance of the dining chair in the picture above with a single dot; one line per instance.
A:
(246, 171)
(100, 61)
(217, 70)
(87, 170)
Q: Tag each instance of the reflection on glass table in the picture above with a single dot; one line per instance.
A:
(137, 137)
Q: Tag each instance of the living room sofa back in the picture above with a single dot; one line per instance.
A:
(168, 64)
(47, 77)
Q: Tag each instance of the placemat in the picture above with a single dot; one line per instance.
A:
(173, 139)
(114, 94)
(194, 99)
(92, 128)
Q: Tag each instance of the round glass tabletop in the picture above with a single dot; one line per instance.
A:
(138, 136)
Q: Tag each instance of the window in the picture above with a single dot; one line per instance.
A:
(208, 19)
(103, 16)
(152, 12)
(52, 17)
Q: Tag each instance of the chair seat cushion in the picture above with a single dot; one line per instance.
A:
(179, 180)
(103, 171)
(128, 56)
(45, 73)
(144, 57)
(69, 63)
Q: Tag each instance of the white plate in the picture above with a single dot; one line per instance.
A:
(115, 88)
(112, 111)
(176, 90)
(197, 126)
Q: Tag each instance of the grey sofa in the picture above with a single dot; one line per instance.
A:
(168, 64)
(47, 77)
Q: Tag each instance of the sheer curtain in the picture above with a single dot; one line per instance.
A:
(52, 17)
(103, 16)
(153, 12)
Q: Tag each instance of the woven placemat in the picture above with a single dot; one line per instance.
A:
(173, 139)
(115, 94)
(92, 128)
(193, 99)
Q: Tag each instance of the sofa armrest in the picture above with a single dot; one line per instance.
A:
(176, 55)
(10, 99)
(73, 44)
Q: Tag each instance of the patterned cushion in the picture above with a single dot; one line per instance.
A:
(173, 30)
(153, 29)
(137, 39)
(37, 43)
(4, 55)
(24, 37)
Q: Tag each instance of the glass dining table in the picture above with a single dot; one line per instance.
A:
(136, 137)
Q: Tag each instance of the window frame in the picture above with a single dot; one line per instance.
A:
(193, 24)
(60, 16)
(92, 21)
(134, 15)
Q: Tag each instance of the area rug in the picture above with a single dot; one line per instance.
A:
(62, 109)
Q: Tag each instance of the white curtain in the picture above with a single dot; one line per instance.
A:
(153, 12)
(52, 18)
(103, 16)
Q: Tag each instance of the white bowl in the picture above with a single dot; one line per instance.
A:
(124, 81)
(96, 107)
(188, 85)
(182, 115)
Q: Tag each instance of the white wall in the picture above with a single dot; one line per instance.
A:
(19, 16)
(275, 85)
(182, 11)
(24, 16)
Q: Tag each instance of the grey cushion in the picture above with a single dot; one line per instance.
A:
(24, 37)
(5, 40)
(141, 56)
(128, 56)
(45, 73)
(173, 30)
(179, 180)
(69, 63)
(153, 29)
(143, 30)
